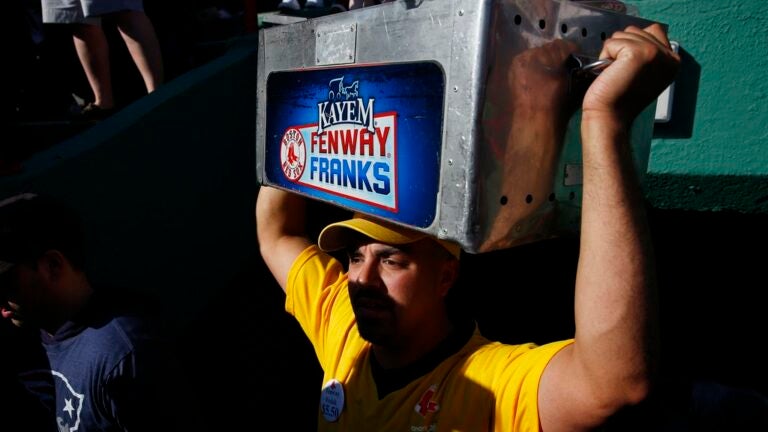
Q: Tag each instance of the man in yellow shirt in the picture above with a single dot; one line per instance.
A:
(392, 356)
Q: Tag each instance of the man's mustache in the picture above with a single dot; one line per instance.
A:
(366, 295)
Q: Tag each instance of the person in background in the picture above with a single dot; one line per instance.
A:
(393, 353)
(333, 6)
(357, 4)
(92, 360)
(92, 45)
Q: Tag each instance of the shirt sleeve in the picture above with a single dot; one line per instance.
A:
(317, 284)
(145, 391)
(517, 390)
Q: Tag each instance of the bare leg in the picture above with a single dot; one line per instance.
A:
(357, 4)
(93, 50)
(289, 4)
(140, 38)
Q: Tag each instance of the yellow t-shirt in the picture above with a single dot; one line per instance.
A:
(484, 386)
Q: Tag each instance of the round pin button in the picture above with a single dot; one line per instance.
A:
(332, 400)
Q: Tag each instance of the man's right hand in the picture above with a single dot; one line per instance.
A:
(644, 64)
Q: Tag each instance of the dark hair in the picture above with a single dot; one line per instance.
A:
(31, 224)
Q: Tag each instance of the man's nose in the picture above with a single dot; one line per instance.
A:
(368, 272)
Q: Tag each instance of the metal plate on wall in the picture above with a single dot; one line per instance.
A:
(335, 44)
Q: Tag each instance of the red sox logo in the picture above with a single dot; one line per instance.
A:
(426, 404)
(293, 154)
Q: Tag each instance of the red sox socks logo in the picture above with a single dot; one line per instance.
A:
(293, 154)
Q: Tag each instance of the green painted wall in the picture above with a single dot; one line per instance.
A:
(713, 154)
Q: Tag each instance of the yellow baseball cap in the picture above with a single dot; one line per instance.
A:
(337, 235)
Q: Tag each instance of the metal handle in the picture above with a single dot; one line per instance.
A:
(597, 66)
(581, 64)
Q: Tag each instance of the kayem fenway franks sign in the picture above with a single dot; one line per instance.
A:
(366, 138)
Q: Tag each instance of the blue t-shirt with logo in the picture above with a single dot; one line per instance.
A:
(106, 370)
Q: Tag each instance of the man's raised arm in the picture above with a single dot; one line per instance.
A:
(610, 363)
(281, 230)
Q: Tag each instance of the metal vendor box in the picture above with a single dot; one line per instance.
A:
(459, 118)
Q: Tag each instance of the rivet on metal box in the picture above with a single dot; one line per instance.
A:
(456, 118)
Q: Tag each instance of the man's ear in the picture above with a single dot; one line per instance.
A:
(449, 275)
(52, 264)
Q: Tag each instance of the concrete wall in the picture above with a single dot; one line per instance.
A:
(167, 188)
(167, 185)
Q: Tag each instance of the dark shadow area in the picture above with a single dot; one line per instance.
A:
(711, 268)
(524, 293)
(712, 272)
(249, 356)
(684, 98)
(252, 355)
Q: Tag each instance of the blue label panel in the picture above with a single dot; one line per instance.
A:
(366, 138)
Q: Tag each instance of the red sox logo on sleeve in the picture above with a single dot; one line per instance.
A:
(426, 405)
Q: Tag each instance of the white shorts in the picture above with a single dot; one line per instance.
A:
(84, 11)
